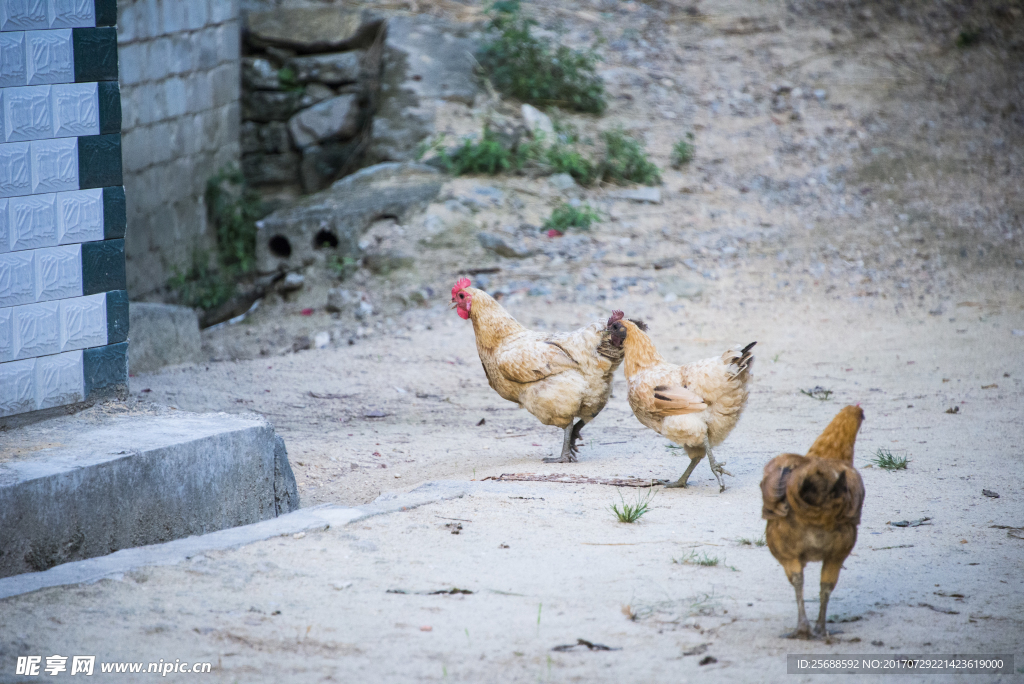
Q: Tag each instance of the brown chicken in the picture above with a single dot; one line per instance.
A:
(812, 504)
(558, 377)
(695, 406)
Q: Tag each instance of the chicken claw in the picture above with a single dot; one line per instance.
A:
(568, 450)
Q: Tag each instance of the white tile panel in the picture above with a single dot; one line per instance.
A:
(54, 165)
(58, 273)
(76, 109)
(15, 169)
(17, 387)
(17, 278)
(60, 380)
(6, 334)
(49, 57)
(12, 59)
(79, 216)
(32, 221)
(36, 330)
(27, 113)
(24, 15)
(5, 229)
(72, 13)
(83, 322)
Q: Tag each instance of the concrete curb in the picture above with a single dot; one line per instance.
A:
(309, 519)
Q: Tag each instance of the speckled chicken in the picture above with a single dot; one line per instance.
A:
(696, 405)
(812, 504)
(558, 377)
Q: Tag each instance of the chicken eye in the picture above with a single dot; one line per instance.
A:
(462, 296)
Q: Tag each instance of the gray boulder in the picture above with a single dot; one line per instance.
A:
(310, 30)
(333, 220)
(334, 118)
(162, 335)
(332, 69)
(267, 105)
(496, 244)
(259, 74)
(426, 61)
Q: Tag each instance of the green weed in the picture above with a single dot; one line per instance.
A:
(538, 70)
(758, 541)
(233, 209)
(817, 392)
(683, 152)
(626, 161)
(201, 286)
(694, 558)
(566, 216)
(886, 460)
(632, 512)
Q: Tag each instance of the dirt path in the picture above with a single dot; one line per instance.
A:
(865, 231)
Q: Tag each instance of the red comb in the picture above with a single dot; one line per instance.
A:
(462, 283)
(616, 317)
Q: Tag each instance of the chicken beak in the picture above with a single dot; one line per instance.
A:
(454, 305)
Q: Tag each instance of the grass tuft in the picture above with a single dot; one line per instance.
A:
(683, 152)
(567, 216)
(694, 558)
(632, 512)
(759, 541)
(817, 392)
(626, 160)
(536, 69)
(886, 460)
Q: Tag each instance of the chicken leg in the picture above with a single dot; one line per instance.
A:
(796, 578)
(829, 578)
(716, 468)
(568, 448)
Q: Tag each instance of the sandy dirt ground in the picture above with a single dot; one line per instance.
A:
(866, 232)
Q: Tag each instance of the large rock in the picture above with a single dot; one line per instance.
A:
(267, 105)
(269, 138)
(426, 61)
(288, 238)
(259, 74)
(162, 335)
(337, 118)
(332, 69)
(308, 30)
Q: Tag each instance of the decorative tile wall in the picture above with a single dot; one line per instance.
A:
(63, 304)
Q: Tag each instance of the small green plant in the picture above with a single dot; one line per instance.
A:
(233, 209)
(683, 152)
(694, 558)
(564, 159)
(626, 161)
(745, 541)
(486, 156)
(886, 460)
(342, 267)
(538, 70)
(566, 216)
(630, 513)
(201, 286)
(817, 392)
(286, 77)
(968, 37)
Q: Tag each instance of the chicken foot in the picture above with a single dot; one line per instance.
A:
(568, 448)
(829, 578)
(717, 469)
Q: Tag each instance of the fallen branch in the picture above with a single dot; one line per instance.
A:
(573, 479)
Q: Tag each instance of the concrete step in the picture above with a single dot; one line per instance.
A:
(113, 477)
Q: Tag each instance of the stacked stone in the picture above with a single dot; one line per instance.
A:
(63, 305)
(180, 85)
(309, 81)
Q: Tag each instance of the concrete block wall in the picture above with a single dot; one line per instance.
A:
(63, 304)
(180, 88)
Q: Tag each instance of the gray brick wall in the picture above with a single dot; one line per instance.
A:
(180, 91)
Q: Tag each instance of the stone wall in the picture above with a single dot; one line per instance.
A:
(180, 87)
(63, 306)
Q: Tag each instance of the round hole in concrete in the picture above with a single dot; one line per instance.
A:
(279, 246)
(325, 238)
